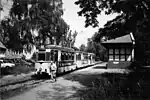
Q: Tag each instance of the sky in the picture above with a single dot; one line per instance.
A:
(73, 20)
(77, 23)
(6, 6)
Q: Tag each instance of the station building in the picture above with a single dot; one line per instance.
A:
(120, 51)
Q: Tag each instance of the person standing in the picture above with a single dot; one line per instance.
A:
(53, 70)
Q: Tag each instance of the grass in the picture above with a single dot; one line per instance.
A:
(114, 86)
(109, 86)
(19, 73)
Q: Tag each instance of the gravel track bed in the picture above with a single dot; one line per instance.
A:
(11, 90)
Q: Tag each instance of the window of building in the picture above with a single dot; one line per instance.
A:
(120, 54)
(110, 51)
(128, 57)
(122, 51)
(122, 57)
(117, 57)
(110, 57)
(128, 51)
(116, 51)
(111, 54)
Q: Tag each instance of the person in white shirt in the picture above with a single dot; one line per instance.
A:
(53, 70)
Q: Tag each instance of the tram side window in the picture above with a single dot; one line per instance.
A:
(56, 56)
(72, 56)
(79, 57)
(62, 56)
(52, 53)
(48, 56)
(86, 56)
(66, 56)
(69, 56)
(41, 56)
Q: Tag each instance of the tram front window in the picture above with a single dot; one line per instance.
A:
(41, 56)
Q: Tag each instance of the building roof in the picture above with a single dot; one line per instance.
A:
(2, 46)
(123, 39)
(59, 48)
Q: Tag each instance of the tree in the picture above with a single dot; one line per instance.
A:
(131, 8)
(97, 49)
(1, 8)
(69, 39)
(74, 35)
(9, 35)
(82, 47)
(90, 46)
(42, 15)
(132, 15)
(28, 16)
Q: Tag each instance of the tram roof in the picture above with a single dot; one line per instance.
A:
(84, 52)
(59, 48)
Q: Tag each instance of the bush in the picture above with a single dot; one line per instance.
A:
(18, 69)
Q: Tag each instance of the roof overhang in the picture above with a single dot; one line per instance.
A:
(126, 39)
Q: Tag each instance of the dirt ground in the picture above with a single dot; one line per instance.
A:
(66, 87)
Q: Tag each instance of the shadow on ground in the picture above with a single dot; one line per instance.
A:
(42, 76)
(99, 67)
(114, 86)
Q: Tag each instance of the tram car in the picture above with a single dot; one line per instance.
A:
(66, 59)
(84, 59)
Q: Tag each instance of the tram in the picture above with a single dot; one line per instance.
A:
(66, 59)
